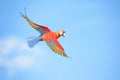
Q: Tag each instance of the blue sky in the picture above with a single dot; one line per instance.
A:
(92, 40)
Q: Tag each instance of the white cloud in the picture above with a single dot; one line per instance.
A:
(10, 44)
(21, 62)
(16, 55)
(7, 45)
(18, 49)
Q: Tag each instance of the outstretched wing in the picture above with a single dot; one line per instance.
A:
(41, 29)
(56, 47)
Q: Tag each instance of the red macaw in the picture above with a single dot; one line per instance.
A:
(46, 35)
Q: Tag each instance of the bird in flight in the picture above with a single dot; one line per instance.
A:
(46, 35)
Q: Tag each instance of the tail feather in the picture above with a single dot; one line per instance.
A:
(32, 41)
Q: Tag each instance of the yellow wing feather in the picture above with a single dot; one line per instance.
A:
(29, 21)
(55, 48)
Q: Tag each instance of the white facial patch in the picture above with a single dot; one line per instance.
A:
(61, 33)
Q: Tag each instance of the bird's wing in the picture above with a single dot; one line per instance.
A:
(41, 29)
(56, 47)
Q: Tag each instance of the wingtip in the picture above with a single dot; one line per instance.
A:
(67, 56)
(24, 15)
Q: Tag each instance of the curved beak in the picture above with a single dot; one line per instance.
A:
(64, 34)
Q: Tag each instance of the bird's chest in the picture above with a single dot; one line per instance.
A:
(48, 36)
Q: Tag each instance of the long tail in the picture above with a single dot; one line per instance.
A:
(32, 41)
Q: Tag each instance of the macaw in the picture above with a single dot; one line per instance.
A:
(46, 35)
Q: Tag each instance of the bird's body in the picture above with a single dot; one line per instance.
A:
(46, 35)
(50, 36)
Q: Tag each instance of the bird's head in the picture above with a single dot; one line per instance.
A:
(61, 33)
